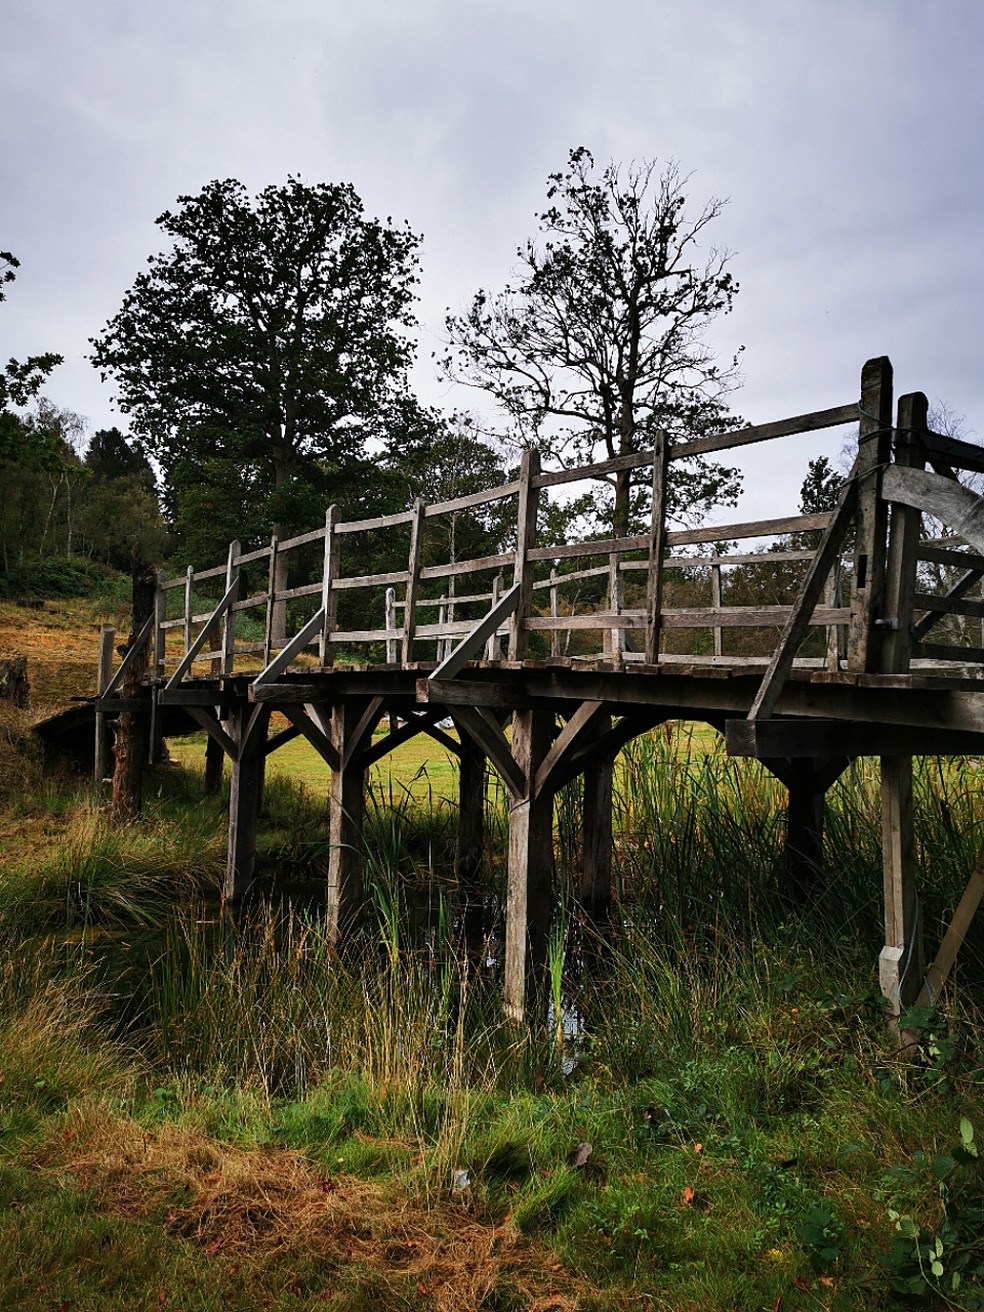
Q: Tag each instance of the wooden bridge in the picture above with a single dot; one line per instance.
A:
(548, 658)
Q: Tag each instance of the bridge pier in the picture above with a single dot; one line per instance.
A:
(596, 837)
(530, 870)
(247, 727)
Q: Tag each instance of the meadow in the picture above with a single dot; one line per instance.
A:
(202, 1114)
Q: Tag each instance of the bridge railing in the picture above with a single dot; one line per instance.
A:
(396, 588)
(584, 599)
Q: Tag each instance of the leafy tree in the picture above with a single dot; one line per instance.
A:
(20, 381)
(600, 341)
(259, 352)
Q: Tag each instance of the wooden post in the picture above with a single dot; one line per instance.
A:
(346, 809)
(158, 752)
(530, 868)
(903, 544)
(657, 543)
(329, 596)
(392, 649)
(214, 757)
(493, 649)
(617, 639)
(596, 861)
(900, 966)
(229, 619)
(247, 726)
(804, 832)
(529, 497)
(469, 839)
(554, 633)
(271, 635)
(716, 603)
(104, 675)
(871, 516)
(413, 581)
(188, 606)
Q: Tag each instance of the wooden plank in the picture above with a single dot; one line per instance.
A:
(816, 738)
(961, 509)
(208, 721)
(260, 554)
(315, 735)
(376, 521)
(475, 566)
(484, 730)
(936, 975)
(361, 730)
(802, 614)
(525, 547)
(737, 617)
(601, 469)
(370, 580)
(581, 725)
(755, 528)
(958, 454)
(104, 676)
(716, 605)
(596, 547)
(472, 499)
(952, 559)
(314, 535)
(273, 669)
(940, 651)
(808, 423)
(949, 605)
(211, 627)
(478, 635)
(413, 580)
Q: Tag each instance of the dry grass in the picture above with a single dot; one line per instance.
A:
(61, 642)
(273, 1207)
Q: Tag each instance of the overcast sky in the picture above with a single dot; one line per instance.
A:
(847, 135)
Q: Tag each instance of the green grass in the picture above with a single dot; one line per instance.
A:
(196, 1114)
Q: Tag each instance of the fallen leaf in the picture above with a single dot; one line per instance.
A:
(421, 1289)
(687, 1196)
(828, 1281)
(698, 1147)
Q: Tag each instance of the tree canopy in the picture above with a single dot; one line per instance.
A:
(600, 341)
(20, 380)
(259, 353)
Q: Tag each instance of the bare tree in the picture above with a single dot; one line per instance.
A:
(600, 341)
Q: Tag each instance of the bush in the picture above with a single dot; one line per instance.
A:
(59, 576)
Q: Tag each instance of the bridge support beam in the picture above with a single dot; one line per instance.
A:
(247, 726)
(469, 839)
(901, 965)
(530, 867)
(596, 837)
(806, 779)
(346, 812)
